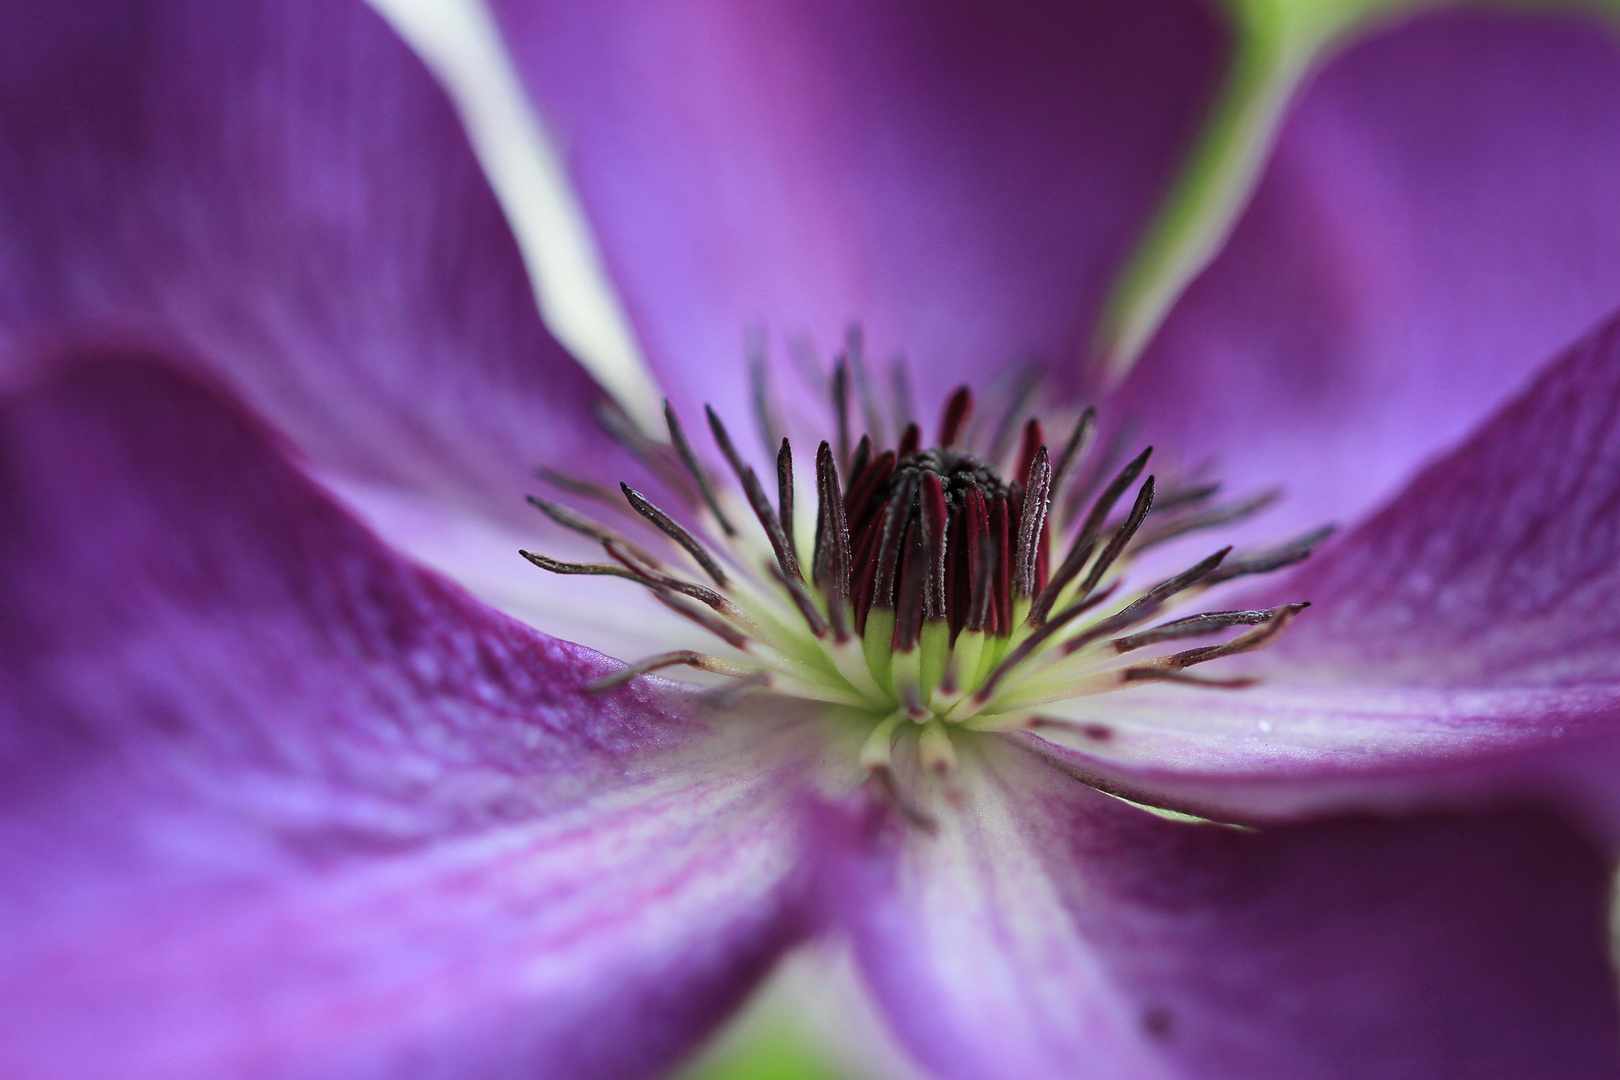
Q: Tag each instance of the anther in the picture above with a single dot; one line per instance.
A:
(576, 486)
(1074, 451)
(871, 409)
(831, 565)
(1122, 536)
(1208, 519)
(684, 449)
(579, 523)
(1270, 559)
(655, 455)
(1208, 622)
(1149, 602)
(759, 383)
(652, 575)
(910, 440)
(671, 528)
(784, 492)
(1021, 391)
(786, 559)
(1085, 540)
(840, 402)
(958, 410)
(1034, 439)
(558, 566)
(1032, 523)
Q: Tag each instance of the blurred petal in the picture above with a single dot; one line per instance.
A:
(281, 187)
(964, 178)
(277, 803)
(1464, 641)
(1442, 212)
(1049, 930)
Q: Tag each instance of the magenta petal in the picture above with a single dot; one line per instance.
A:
(1052, 931)
(275, 803)
(282, 188)
(1442, 212)
(965, 179)
(1464, 642)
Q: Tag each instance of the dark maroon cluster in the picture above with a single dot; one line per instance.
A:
(936, 534)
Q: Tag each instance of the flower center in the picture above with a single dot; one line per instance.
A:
(931, 597)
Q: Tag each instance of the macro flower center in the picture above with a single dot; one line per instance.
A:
(963, 585)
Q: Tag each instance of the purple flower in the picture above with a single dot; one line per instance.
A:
(275, 800)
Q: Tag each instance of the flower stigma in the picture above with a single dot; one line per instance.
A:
(962, 585)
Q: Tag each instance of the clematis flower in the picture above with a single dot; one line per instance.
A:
(281, 799)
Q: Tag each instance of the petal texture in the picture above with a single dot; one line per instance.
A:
(964, 178)
(282, 189)
(1050, 931)
(279, 804)
(1465, 640)
(1441, 213)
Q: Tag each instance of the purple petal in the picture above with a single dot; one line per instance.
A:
(1442, 212)
(1048, 930)
(277, 803)
(963, 180)
(1464, 642)
(283, 189)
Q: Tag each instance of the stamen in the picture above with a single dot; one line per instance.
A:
(1277, 618)
(1037, 486)
(863, 455)
(583, 525)
(1022, 391)
(909, 607)
(957, 412)
(981, 556)
(683, 448)
(709, 621)
(871, 410)
(1039, 638)
(723, 697)
(583, 488)
(1034, 439)
(1001, 536)
(840, 402)
(1090, 480)
(1208, 622)
(1155, 674)
(784, 494)
(1270, 559)
(558, 566)
(786, 559)
(1133, 521)
(934, 520)
(1149, 602)
(671, 528)
(653, 576)
(1085, 541)
(831, 565)
(677, 658)
(1208, 519)
(759, 385)
(910, 440)
(900, 393)
(655, 455)
(1074, 451)
(890, 545)
(1188, 495)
